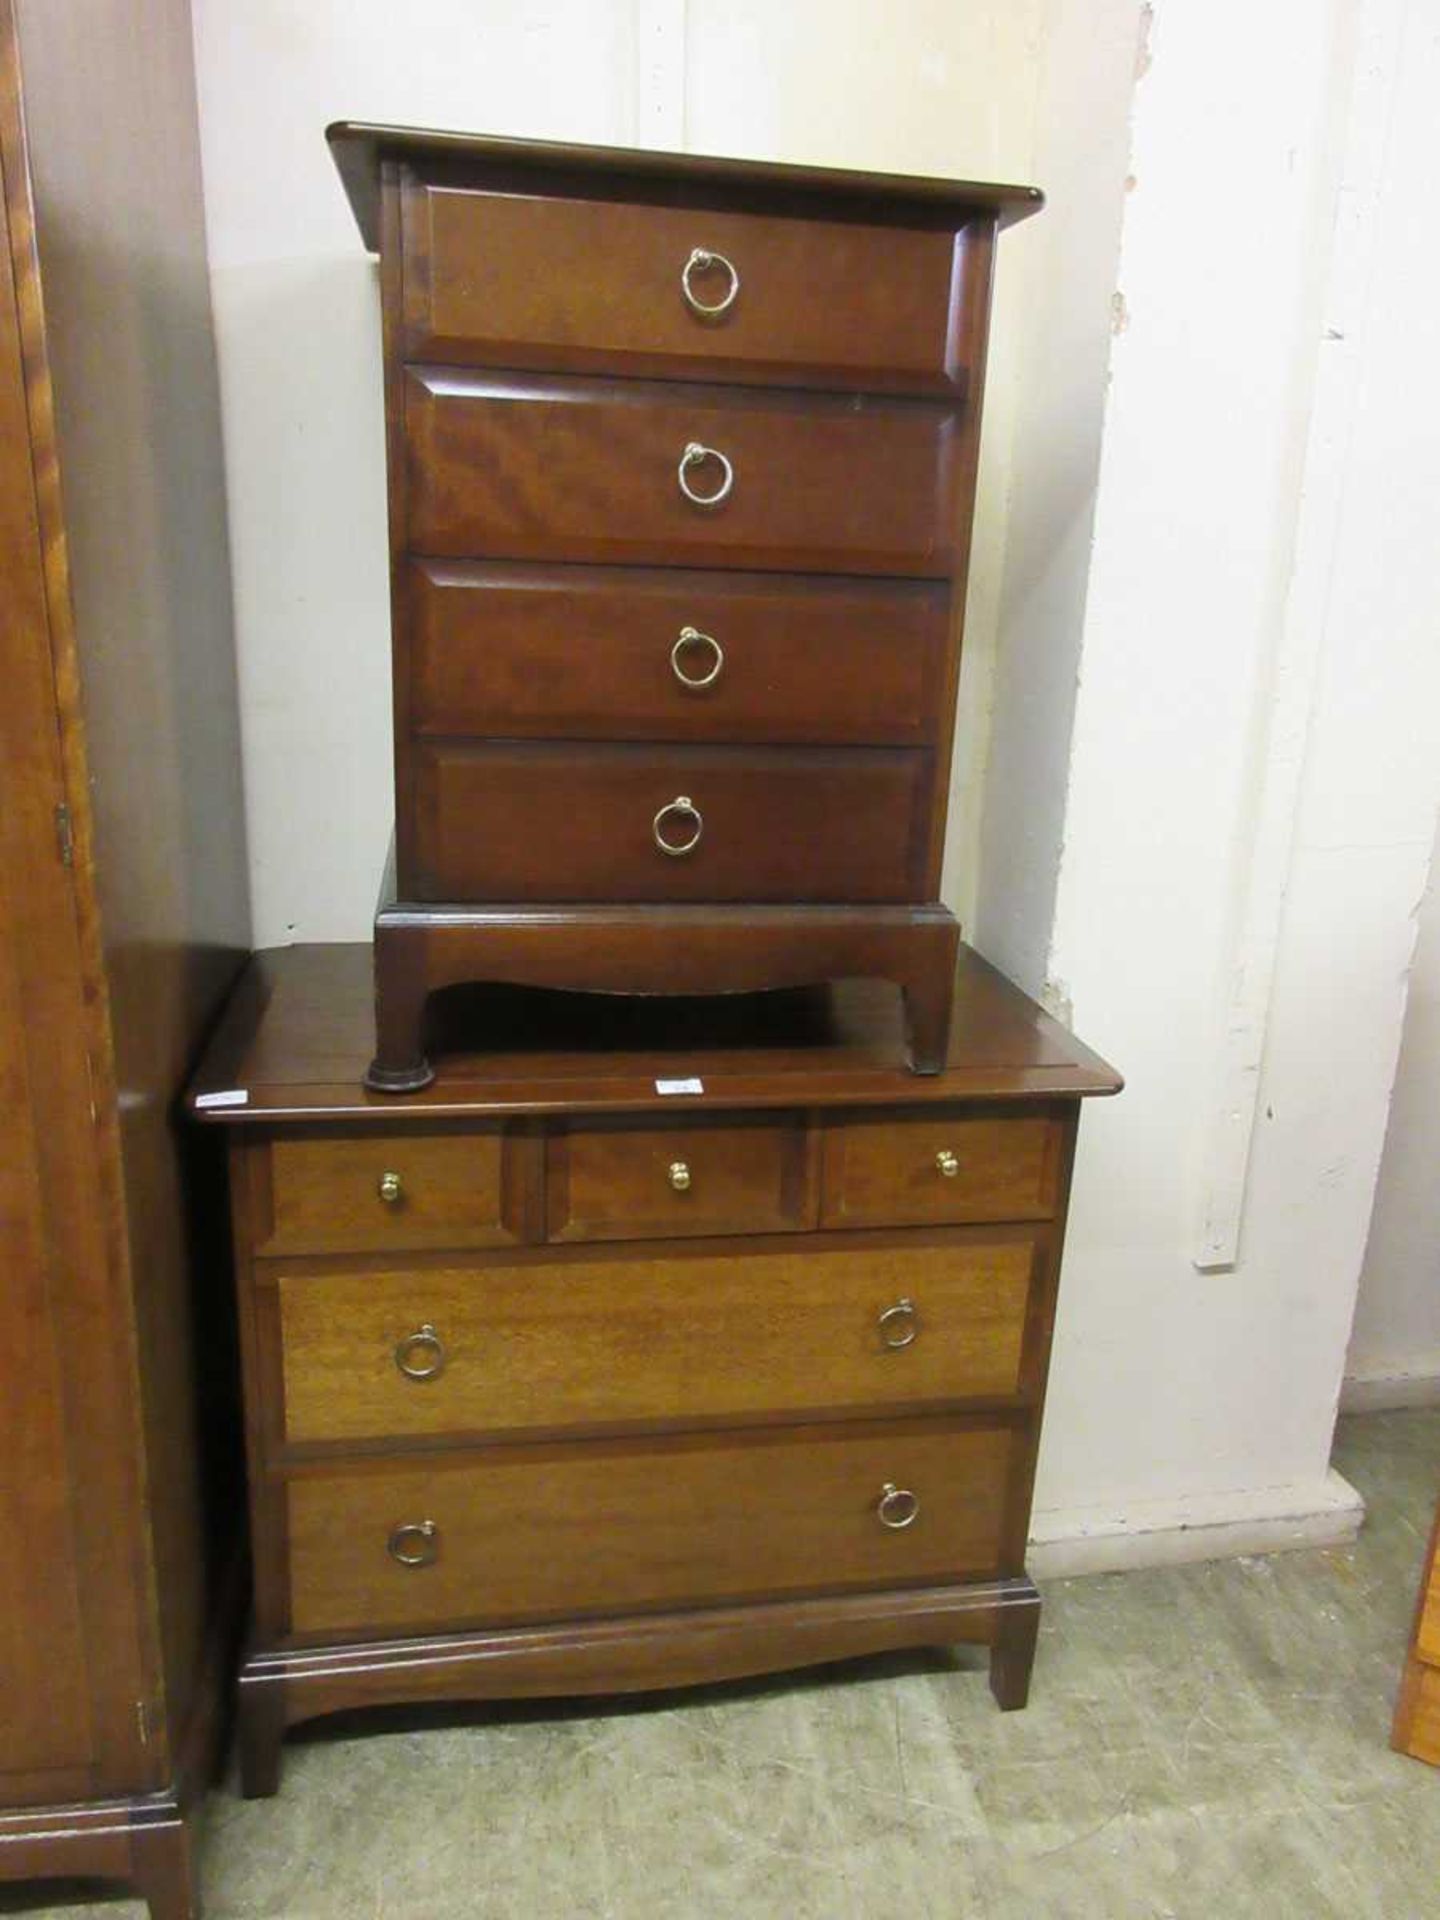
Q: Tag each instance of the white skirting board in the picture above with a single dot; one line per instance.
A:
(1408, 1384)
(1167, 1533)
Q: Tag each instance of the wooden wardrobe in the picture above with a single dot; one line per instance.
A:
(123, 919)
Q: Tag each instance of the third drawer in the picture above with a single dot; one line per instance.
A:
(637, 653)
(543, 821)
(467, 1350)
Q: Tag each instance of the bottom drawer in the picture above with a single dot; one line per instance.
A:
(543, 1532)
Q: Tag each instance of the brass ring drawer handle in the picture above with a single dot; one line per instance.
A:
(946, 1164)
(421, 1355)
(694, 456)
(899, 1325)
(702, 260)
(678, 1174)
(692, 637)
(390, 1190)
(897, 1507)
(681, 804)
(415, 1544)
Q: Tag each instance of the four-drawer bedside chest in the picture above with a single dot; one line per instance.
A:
(681, 457)
(662, 1342)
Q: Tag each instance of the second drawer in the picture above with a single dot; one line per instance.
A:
(664, 474)
(571, 1343)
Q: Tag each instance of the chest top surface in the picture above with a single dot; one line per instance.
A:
(298, 1035)
(359, 149)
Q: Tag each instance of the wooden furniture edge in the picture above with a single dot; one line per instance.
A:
(281, 1688)
(654, 950)
(148, 1844)
(359, 147)
(1415, 1729)
(143, 1841)
(502, 1087)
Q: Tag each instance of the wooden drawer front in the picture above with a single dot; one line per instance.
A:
(598, 1342)
(520, 280)
(528, 1533)
(596, 653)
(535, 469)
(579, 823)
(893, 1172)
(639, 1183)
(335, 1196)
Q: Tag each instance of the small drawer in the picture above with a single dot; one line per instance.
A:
(546, 822)
(519, 468)
(939, 1167)
(780, 1330)
(541, 1532)
(626, 653)
(623, 1182)
(411, 1190)
(518, 279)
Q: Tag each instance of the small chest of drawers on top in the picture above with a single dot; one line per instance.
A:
(681, 474)
(558, 1382)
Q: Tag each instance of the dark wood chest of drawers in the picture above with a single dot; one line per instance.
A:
(682, 465)
(559, 1380)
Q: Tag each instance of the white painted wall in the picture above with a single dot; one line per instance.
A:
(1261, 515)
(1062, 316)
(298, 326)
(1394, 1357)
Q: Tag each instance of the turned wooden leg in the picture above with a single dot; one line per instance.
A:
(261, 1737)
(929, 989)
(162, 1868)
(1013, 1655)
(401, 988)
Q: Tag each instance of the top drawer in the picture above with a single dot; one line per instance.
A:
(941, 1167)
(368, 1194)
(517, 279)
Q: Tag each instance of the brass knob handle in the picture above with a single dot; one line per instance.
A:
(703, 260)
(946, 1164)
(899, 1325)
(415, 1544)
(692, 637)
(897, 1507)
(681, 804)
(421, 1355)
(390, 1189)
(695, 456)
(679, 1176)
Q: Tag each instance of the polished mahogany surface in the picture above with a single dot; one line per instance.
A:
(299, 1033)
(659, 1339)
(612, 380)
(360, 147)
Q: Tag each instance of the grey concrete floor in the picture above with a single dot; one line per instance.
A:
(1201, 1741)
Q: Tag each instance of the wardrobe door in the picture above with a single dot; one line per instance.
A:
(69, 1651)
(42, 1665)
